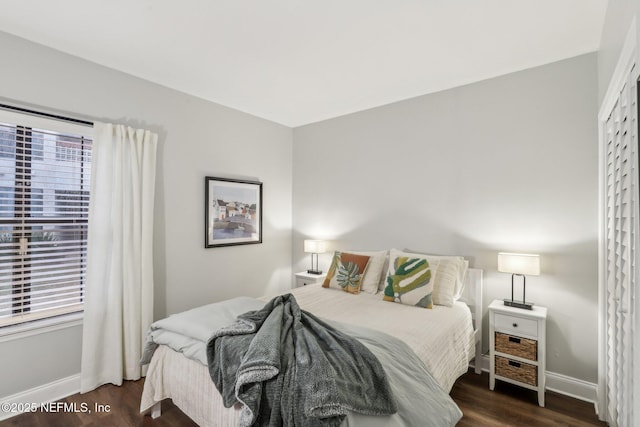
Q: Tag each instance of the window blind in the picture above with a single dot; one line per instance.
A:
(621, 205)
(45, 173)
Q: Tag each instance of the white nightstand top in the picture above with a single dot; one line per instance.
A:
(538, 312)
(306, 275)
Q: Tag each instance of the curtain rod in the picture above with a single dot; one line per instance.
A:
(50, 116)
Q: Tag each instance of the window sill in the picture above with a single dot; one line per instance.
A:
(36, 327)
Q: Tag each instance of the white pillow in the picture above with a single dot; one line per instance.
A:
(459, 266)
(462, 280)
(373, 274)
(449, 279)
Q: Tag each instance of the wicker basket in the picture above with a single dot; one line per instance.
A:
(518, 371)
(516, 346)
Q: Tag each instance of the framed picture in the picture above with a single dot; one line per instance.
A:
(233, 212)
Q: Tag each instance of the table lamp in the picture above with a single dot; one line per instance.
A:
(315, 247)
(519, 265)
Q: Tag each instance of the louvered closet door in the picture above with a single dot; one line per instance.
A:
(621, 197)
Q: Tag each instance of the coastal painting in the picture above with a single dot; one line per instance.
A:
(233, 212)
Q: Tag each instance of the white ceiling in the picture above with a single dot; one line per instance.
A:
(300, 61)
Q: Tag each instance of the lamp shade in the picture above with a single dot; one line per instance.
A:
(526, 264)
(315, 246)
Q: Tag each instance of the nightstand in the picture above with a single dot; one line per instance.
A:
(304, 279)
(517, 346)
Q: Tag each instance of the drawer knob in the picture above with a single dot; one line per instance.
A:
(515, 325)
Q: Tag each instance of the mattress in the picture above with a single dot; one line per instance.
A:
(442, 337)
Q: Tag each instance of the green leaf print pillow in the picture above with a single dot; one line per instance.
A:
(410, 280)
(346, 272)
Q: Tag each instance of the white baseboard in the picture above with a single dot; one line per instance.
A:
(572, 387)
(55, 390)
(562, 384)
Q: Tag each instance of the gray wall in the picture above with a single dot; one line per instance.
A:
(196, 139)
(507, 164)
(36, 360)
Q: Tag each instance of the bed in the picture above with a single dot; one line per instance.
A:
(445, 339)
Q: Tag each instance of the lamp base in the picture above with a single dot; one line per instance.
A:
(314, 271)
(518, 304)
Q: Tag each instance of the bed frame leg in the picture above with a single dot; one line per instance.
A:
(156, 410)
(478, 361)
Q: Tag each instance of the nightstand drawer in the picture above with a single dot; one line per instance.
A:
(304, 279)
(516, 325)
(517, 371)
(517, 346)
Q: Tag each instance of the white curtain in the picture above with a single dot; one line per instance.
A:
(118, 306)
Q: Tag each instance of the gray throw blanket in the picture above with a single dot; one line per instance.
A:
(286, 367)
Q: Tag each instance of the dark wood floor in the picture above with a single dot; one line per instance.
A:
(509, 405)
(506, 406)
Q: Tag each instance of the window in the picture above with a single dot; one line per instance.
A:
(67, 151)
(8, 136)
(44, 204)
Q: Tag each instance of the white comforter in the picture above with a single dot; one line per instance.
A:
(442, 338)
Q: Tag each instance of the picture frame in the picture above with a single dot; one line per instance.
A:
(233, 212)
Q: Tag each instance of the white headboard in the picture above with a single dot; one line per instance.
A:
(472, 296)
